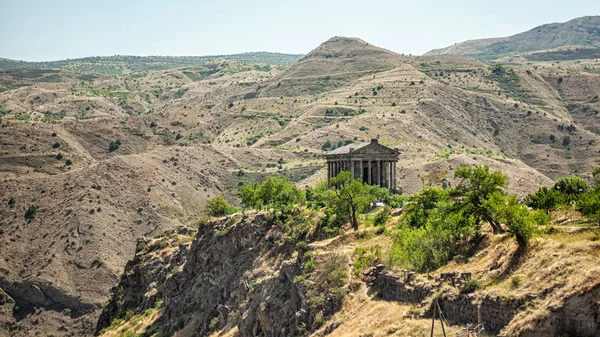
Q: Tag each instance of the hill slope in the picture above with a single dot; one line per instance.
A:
(583, 31)
(191, 133)
(122, 64)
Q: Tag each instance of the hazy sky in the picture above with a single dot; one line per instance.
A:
(37, 30)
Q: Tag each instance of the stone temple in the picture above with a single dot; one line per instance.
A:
(370, 161)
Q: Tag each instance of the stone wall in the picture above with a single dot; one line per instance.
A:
(396, 288)
(495, 314)
(578, 316)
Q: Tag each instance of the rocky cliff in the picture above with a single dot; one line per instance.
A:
(238, 273)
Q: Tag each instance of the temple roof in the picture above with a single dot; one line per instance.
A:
(348, 148)
(364, 147)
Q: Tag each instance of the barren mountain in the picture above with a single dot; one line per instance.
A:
(110, 158)
(579, 32)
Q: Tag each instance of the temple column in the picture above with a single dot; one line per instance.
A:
(394, 176)
(378, 175)
(352, 167)
(328, 174)
(384, 171)
(391, 174)
(360, 171)
(369, 175)
(388, 174)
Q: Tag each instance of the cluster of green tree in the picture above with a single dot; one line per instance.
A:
(276, 192)
(341, 111)
(570, 192)
(439, 224)
(123, 64)
(329, 146)
(342, 203)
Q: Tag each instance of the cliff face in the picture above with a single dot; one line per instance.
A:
(238, 273)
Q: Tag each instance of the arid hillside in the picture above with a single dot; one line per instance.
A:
(90, 163)
(576, 33)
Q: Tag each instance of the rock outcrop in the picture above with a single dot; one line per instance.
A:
(239, 272)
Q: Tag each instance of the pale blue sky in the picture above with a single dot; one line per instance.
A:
(38, 30)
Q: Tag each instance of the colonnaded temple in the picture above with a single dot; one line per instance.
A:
(372, 162)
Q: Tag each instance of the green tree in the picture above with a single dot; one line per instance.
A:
(571, 188)
(350, 197)
(217, 206)
(520, 221)
(275, 192)
(596, 175)
(419, 205)
(443, 236)
(497, 69)
(589, 205)
(477, 185)
(544, 199)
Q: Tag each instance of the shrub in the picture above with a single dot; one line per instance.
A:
(59, 156)
(31, 212)
(566, 141)
(56, 145)
(217, 206)
(114, 145)
(515, 282)
(11, 201)
(365, 258)
(382, 217)
(470, 286)
(68, 162)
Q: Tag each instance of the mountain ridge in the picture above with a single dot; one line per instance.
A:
(582, 31)
(121, 64)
